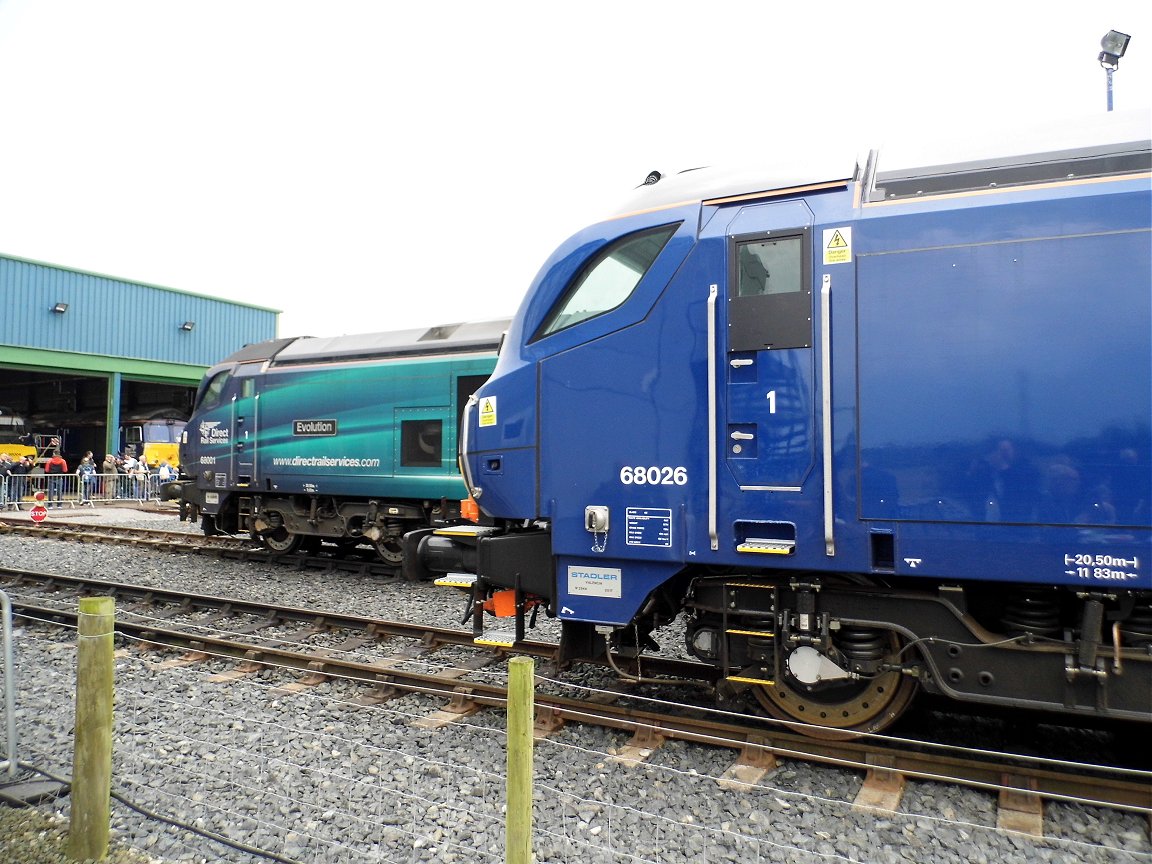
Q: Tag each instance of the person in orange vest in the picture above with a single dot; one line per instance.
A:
(56, 469)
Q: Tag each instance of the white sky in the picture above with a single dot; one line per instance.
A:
(369, 166)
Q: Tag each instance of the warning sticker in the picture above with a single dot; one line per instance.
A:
(837, 245)
(488, 411)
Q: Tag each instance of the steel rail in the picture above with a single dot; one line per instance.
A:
(218, 546)
(1092, 785)
(276, 614)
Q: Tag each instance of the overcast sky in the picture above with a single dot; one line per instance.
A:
(369, 166)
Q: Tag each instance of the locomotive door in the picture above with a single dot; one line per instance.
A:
(765, 352)
(244, 432)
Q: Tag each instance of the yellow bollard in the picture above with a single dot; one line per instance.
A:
(92, 754)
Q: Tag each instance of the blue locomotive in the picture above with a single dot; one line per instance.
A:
(871, 425)
(350, 439)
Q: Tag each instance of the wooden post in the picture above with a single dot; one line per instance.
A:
(92, 754)
(518, 822)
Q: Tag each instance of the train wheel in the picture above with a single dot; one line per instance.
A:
(281, 541)
(839, 711)
(390, 550)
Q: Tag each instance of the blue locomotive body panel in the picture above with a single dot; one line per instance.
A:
(1004, 386)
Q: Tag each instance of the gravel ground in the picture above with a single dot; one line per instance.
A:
(311, 777)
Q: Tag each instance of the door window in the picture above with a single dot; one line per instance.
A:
(770, 294)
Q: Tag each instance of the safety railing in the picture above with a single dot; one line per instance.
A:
(52, 491)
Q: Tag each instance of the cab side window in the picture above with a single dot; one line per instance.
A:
(210, 396)
(608, 279)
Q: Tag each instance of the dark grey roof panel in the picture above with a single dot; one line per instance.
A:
(259, 351)
(429, 341)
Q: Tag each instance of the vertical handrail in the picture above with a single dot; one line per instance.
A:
(9, 684)
(713, 465)
(255, 437)
(462, 444)
(826, 408)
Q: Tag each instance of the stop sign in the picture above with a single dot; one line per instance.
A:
(38, 513)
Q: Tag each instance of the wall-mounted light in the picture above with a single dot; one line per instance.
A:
(187, 325)
(60, 308)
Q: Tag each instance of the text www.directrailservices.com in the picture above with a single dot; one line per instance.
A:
(324, 462)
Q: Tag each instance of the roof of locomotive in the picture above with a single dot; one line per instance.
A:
(948, 161)
(778, 173)
(482, 336)
(1099, 146)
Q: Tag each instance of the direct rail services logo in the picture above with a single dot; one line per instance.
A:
(211, 433)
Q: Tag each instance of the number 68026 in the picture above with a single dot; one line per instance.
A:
(655, 475)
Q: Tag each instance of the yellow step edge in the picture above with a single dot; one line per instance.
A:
(496, 640)
(762, 548)
(456, 580)
(464, 531)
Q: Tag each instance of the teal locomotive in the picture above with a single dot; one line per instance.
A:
(349, 439)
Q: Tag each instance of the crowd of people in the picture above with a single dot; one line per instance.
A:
(117, 476)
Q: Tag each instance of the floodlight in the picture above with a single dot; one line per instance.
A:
(1114, 44)
(60, 308)
(187, 325)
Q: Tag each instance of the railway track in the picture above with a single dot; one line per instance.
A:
(356, 560)
(259, 636)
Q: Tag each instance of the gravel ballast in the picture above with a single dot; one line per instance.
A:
(313, 777)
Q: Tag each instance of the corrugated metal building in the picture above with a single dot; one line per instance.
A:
(81, 352)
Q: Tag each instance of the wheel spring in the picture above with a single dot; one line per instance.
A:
(1031, 611)
(861, 643)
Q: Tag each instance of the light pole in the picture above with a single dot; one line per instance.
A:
(1113, 46)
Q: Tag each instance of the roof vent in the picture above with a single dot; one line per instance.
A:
(442, 332)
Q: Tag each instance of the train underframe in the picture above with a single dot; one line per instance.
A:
(284, 524)
(847, 653)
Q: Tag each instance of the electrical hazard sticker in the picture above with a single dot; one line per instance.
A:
(837, 245)
(488, 411)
